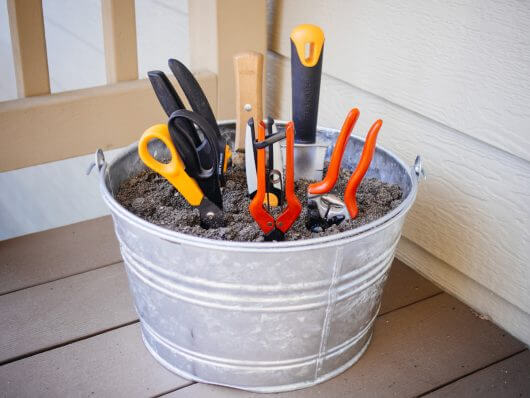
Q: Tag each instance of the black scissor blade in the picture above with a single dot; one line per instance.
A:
(199, 103)
(193, 91)
(165, 92)
(171, 102)
(210, 188)
(211, 215)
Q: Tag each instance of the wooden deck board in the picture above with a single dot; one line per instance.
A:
(414, 349)
(64, 310)
(67, 309)
(46, 256)
(71, 308)
(50, 314)
(508, 378)
(63, 333)
(403, 287)
(113, 364)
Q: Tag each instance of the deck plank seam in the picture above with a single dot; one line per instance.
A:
(68, 342)
(470, 373)
(60, 278)
(191, 382)
(90, 335)
(381, 313)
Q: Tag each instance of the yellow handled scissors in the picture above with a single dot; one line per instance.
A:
(175, 173)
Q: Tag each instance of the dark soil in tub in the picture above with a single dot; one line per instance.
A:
(151, 197)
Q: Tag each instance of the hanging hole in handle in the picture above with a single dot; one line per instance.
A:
(161, 156)
(153, 158)
(308, 51)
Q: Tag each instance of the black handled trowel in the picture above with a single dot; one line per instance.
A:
(307, 51)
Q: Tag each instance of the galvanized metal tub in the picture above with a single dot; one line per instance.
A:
(263, 317)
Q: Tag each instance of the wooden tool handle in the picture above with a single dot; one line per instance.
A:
(248, 67)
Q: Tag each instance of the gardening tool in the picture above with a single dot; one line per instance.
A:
(171, 102)
(274, 185)
(199, 104)
(275, 229)
(307, 51)
(326, 209)
(248, 68)
(275, 156)
(199, 187)
(274, 161)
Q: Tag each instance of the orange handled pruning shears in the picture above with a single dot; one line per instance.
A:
(174, 171)
(275, 229)
(326, 209)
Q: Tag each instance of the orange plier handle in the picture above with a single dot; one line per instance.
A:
(329, 181)
(327, 184)
(276, 227)
(364, 163)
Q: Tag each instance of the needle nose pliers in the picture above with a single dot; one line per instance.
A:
(275, 229)
(326, 209)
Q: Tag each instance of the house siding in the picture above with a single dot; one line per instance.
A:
(451, 81)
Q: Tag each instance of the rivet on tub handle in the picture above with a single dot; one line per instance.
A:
(418, 168)
(99, 161)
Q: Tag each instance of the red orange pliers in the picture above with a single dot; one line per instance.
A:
(326, 209)
(275, 229)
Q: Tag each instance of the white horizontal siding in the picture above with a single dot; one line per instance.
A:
(471, 212)
(465, 64)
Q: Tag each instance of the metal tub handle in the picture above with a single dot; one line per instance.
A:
(418, 168)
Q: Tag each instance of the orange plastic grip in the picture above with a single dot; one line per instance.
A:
(293, 209)
(327, 184)
(364, 163)
(174, 171)
(308, 35)
(260, 215)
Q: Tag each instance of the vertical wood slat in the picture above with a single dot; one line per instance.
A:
(26, 24)
(219, 29)
(119, 36)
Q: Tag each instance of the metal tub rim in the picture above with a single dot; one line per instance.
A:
(414, 172)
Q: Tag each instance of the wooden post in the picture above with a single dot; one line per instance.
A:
(219, 29)
(119, 35)
(29, 47)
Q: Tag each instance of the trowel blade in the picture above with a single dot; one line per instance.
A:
(308, 161)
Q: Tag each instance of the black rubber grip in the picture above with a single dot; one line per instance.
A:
(305, 95)
(208, 180)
